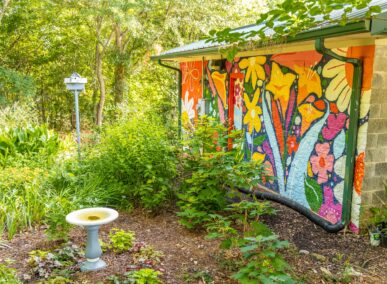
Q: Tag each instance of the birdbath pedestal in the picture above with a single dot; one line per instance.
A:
(91, 219)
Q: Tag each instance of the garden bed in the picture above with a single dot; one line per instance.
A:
(315, 256)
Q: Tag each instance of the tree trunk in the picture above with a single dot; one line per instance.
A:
(102, 88)
(120, 70)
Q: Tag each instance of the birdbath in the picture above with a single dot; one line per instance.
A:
(92, 219)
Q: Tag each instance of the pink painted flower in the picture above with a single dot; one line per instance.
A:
(329, 210)
(335, 124)
(322, 163)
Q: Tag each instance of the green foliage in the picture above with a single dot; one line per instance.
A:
(209, 171)
(145, 276)
(59, 262)
(8, 275)
(121, 240)
(22, 202)
(263, 263)
(14, 86)
(258, 258)
(287, 19)
(139, 156)
(378, 215)
(146, 254)
(142, 276)
(27, 143)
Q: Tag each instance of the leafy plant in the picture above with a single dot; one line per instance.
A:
(263, 263)
(22, 202)
(210, 170)
(246, 211)
(8, 275)
(147, 255)
(137, 156)
(142, 276)
(27, 142)
(59, 262)
(121, 240)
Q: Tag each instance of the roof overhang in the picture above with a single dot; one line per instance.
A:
(361, 32)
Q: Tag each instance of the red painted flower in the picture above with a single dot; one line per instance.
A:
(292, 144)
(322, 163)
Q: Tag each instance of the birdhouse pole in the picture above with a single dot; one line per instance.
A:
(76, 84)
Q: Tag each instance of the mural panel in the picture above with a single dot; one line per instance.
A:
(294, 110)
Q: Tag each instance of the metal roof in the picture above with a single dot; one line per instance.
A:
(202, 46)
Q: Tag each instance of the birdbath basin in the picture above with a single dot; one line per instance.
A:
(92, 219)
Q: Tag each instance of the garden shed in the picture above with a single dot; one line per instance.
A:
(313, 108)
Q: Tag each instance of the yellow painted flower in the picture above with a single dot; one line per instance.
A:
(339, 89)
(254, 68)
(220, 85)
(309, 113)
(279, 85)
(253, 111)
(308, 83)
(258, 157)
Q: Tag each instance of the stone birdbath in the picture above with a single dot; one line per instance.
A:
(92, 219)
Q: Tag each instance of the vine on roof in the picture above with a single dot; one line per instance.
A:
(288, 19)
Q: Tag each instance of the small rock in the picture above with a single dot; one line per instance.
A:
(319, 257)
(352, 272)
(303, 251)
(195, 262)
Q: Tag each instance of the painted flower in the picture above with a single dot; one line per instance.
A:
(329, 210)
(254, 66)
(309, 113)
(308, 83)
(335, 124)
(292, 144)
(220, 85)
(338, 89)
(187, 113)
(252, 118)
(279, 85)
(322, 163)
(359, 173)
(258, 157)
(341, 73)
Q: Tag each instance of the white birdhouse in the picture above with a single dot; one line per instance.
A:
(75, 82)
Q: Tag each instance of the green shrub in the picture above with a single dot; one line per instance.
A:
(138, 157)
(121, 240)
(210, 169)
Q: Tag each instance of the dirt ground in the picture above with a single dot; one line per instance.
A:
(315, 256)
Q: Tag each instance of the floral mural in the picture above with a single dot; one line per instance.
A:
(295, 114)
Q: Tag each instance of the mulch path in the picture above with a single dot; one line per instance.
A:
(322, 259)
